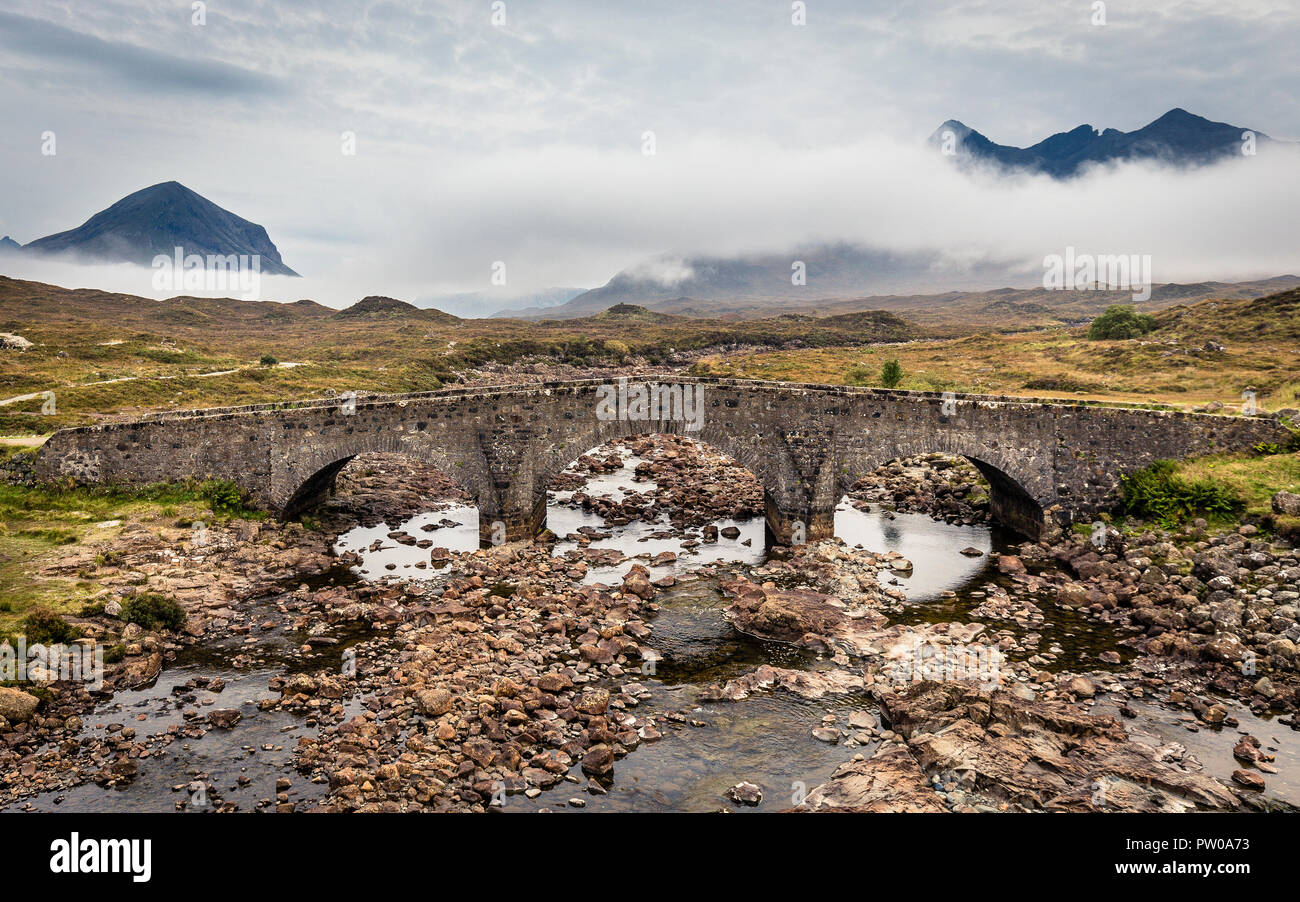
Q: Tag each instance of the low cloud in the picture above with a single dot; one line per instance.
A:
(576, 216)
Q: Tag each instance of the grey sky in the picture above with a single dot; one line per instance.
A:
(523, 143)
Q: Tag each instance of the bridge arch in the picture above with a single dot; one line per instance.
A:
(1011, 504)
(307, 478)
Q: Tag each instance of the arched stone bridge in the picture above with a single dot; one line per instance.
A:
(1046, 462)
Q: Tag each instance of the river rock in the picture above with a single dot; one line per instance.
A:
(1248, 779)
(224, 718)
(1044, 754)
(889, 781)
(599, 760)
(745, 794)
(433, 702)
(17, 706)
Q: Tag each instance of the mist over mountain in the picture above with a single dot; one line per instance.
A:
(706, 286)
(1178, 138)
(480, 304)
(156, 220)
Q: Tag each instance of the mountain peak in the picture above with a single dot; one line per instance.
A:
(1177, 138)
(1179, 114)
(155, 221)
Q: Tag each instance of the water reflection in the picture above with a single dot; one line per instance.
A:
(454, 527)
(933, 547)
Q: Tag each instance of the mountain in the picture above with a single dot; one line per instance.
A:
(1001, 308)
(761, 284)
(1178, 137)
(157, 220)
(8, 244)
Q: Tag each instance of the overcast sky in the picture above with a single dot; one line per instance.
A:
(523, 142)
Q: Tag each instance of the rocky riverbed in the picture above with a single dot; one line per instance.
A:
(653, 659)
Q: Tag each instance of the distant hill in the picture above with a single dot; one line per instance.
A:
(1000, 308)
(1009, 309)
(23, 302)
(1274, 317)
(633, 313)
(8, 244)
(377, 306)
(156, 220)
(1178, 138)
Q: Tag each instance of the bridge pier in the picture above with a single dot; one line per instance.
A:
(797, 527)
(1009, 503)
(516, 525)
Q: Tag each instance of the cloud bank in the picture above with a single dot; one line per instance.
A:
(523, 144)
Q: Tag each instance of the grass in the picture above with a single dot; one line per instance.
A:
(37, 525)
(1255, 479)
(1162, 493)
(104, 354)
(1051, 363)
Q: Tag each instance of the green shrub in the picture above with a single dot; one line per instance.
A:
(151, 610)
(1121, 321)
(48, 628)
(225, 498)
(891, 373)
(1158, 493)
(268, 360)
(618, 349)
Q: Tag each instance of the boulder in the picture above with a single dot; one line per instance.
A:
(433, 702)
(17, 706)
(1287, 504)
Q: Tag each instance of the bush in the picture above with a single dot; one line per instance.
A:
(48, 628)
(891, 373)
(151, 610)
(1121, 321)
(618, 349)
(1158, 493)
(225, 498)
(268, 360)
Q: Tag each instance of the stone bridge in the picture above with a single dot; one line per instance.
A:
(1046, 462)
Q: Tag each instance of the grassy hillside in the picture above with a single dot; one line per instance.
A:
(1208, 352)
(105, 354)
